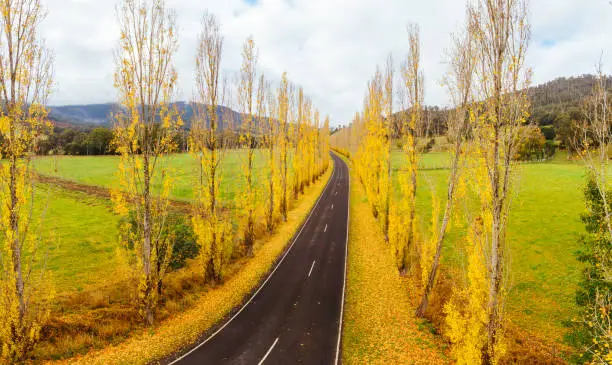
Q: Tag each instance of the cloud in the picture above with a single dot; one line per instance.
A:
(330, 47)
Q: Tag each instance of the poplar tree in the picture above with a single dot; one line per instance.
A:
(459, 82)
(502, 35)
(250, 104)
(283, 140)
(144, 133)
(25, 82)
(211, 224)
(270, 129)
(412, 78)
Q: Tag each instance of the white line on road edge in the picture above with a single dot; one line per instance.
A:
(311, 266)
(325, 230)
(269, 350)
(314, 207)
(348, 215)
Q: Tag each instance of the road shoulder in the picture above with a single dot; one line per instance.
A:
(379, 322)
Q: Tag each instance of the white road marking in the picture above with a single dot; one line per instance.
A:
(311, 267)
(348, 215)
(332, 206)
(325, 230)
(269, 350)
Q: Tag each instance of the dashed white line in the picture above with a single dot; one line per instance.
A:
(325, 230)
(311, 267)
(332, 206)
(268, 353)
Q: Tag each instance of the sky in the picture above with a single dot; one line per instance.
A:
(330, 47)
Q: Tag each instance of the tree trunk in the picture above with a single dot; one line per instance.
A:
(146, 246)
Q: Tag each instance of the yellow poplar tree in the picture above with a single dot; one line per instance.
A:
(211, 224)
(144, 132)
(370, 156)
(25, 83)
(283, 137)
(412, 77)
(459, 82)
(298, 155)
(502, 33)
(323, 147)
(388, 105)
(466, 311)
(249, 104)
(269, 131)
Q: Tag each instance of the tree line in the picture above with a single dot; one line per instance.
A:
(281, 127)
(487, 81)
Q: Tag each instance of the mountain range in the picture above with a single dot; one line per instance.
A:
(92, 115)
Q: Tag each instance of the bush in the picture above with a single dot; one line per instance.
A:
(594, 296)
(185, 244)
(549, 132)
(177, 229)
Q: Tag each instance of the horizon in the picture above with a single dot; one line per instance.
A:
(329, 48)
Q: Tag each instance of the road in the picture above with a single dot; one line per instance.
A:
(295, 316)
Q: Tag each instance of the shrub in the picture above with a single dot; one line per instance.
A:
(593, 331)
(180, 232)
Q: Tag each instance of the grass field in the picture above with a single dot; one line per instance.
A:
(542, 235)
(101, 171)
(81, 232)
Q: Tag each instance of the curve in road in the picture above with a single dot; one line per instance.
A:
(295, 317)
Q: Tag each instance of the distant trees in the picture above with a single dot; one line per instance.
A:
(69, 141)
(25, 83)
(145, 80)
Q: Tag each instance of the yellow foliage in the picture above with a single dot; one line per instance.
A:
(466, 311)
(428, 246)
(25, 292)
(379, 323)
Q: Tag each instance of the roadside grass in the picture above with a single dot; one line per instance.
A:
(102, 170)
(379, 322)
(192, 307)
(543, 232)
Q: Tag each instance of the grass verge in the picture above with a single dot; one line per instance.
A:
(181, 330)
(379, 323)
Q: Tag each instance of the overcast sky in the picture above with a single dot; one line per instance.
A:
(330, 47)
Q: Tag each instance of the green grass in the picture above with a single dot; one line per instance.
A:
(102, 170)
(542, 235)
(80, 237)
(82, 229)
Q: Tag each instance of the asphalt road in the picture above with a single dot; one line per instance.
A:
(295, 316)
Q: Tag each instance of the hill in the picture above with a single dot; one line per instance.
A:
(91, 115)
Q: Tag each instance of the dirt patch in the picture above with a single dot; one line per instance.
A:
(101, 192)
